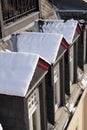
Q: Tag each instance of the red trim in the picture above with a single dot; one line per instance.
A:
(64, 43)
(43, 64)
(78, 29)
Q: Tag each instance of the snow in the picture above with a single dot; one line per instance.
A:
(67, 29)
(16, 72)
(1, 127)
(44, 44)
(84, 83)
(84, 80)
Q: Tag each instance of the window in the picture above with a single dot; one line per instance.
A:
(85, 46)
(34, 111)
(71, 61)
(34, 119)
(57, 86)
(57, 95)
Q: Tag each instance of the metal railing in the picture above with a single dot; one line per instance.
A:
(14, 9)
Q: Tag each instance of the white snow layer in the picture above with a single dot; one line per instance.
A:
(44, 44)
(84, 81)
(67, 29)
(1, 127)
(16, 72)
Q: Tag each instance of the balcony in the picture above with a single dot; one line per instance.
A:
(14, 9)
(17, 14)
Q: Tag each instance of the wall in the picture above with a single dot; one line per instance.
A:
(79, 120)
(47, 10)
(85, 111)
(12, 113)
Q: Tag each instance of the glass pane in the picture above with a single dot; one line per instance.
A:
(71, 65)
(57, 93)
(34, 121)
(57, 86)
(85, 33)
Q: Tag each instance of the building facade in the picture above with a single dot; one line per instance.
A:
(20, 15)
(50, 103)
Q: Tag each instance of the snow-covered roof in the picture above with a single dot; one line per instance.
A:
(16, 72)
(44, 44)
(67, 29)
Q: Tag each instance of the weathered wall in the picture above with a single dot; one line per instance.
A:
(46, 10)
(85, 111)
(79, 120)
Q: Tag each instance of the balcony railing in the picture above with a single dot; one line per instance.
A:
(14, 9)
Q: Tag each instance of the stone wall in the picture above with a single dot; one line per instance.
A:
(79, 120)
(46, 10)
